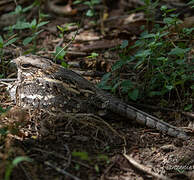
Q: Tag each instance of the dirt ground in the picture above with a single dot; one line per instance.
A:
(85, 146)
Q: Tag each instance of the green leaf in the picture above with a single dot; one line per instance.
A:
(13, 164)
(42, 15)
(164, 59)
(33, 24)
(106, 77)
(134, 94)
(81, 155)
(3, 131)
(155, 93)
(96, 167)
(163, 34)
(87, 3)
(95, 1)
(28, 8)
(115, 87)
(77, 2)
(21, 25)
(1, 42)
(168, 20)
(170, 87)
(27, 40)
(93, 55)
(64, 64)
(90, 13)
(18, 9)
(188, 107)
(61, 28)
(104, 80)
(124, 44)
(139, 63)
(178, 51)
(126, 85)
(102, 157)
(149, 36)
(118, 65)
(11, 41)
(171, 10)
(106, 87)
(143, 53)
(138, 43)
(60, 53)
(192, 87)
(190, 2)
(188, 31)
(38, 32)
(3, 110)
(163, 8)
(1, 39)
(42, 23)
(19, 159)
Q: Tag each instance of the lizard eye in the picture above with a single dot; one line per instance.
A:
(26, 65)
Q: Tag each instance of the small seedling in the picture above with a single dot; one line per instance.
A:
(93, 55)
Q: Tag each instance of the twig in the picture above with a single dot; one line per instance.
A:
(189, 114)
(68, 154)
(5, 2)
(59, 44)
(25, 172)
(16, 2)
(61, 156)
(144, 168)
(61, 171)
(104, 122)
(8, 80)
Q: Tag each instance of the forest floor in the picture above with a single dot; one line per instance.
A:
(85, 146)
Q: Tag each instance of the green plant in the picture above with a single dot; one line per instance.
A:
(82, 155)
(191, 3)
(60, 54)
(65, 28)
(4, 44)
(59, 51)
(2, 110)
(20, 18)
(93, 55)
(34, 26)
(13, 164)
(90, 4)
(149, 9)
(160, 63)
